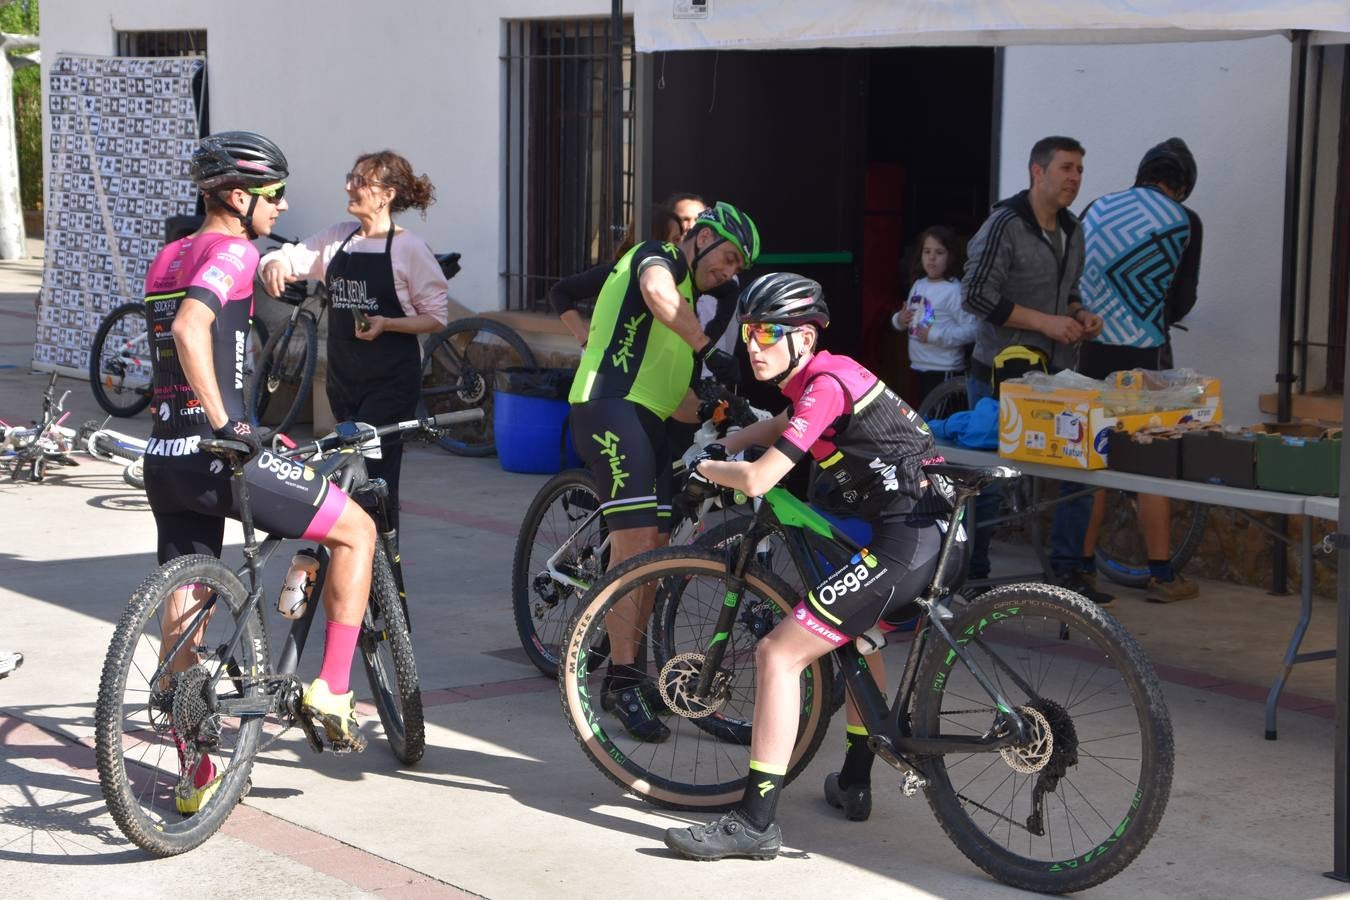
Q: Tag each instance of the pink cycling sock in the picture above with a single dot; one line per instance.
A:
(339, 644)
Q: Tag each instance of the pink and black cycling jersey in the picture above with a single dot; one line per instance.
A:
(216, 270)
(870, 445)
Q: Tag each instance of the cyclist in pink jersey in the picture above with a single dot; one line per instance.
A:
(871, 448)
(199, 297)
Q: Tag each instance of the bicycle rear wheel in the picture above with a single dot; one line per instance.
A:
(387, 652)
(458, 372)
(285, 375)
(119, 361)
(1121, 553)
(1074, 806)
(945, 399)
(144, 724)
(698, 767)
(565, 516)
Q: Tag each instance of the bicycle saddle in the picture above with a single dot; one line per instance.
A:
(449, 263)
(972, 478)
(233, 452)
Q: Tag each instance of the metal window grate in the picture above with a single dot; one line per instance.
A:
(558, 166)
(172, 43)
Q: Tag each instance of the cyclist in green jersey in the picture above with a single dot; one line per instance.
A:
(643, 344)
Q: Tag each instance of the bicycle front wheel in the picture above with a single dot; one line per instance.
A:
(119, 361)
(945, 399)
(699, 767)
(174, 751)
(387, 652)
(564, 520)
(285, 375)
(458, 371)
(1122, 555)
(1078, 802)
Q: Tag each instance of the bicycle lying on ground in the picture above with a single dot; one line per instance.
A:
(31, 450)
(101, 442)
(1121, 554)
(188, 683)
(1029, 717)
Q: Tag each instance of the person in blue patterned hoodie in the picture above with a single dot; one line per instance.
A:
(1142, 265)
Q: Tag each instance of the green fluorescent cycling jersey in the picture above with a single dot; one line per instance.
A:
(630, 355)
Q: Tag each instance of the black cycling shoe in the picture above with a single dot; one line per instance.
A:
(650, 693)
(730, 835)
(856, 801)
(638, 717)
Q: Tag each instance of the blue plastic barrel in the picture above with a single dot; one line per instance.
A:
(529, 420)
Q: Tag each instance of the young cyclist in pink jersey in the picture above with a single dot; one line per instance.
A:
(871, 447)
(199, 296)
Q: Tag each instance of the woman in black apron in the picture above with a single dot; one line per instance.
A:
(385, 288)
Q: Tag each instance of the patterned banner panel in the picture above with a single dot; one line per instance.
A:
(122, 134)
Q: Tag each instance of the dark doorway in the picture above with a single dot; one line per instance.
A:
(842, 157)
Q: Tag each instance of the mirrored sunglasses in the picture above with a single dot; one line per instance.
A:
(765, 334)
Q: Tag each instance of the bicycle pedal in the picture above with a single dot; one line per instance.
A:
(311, 732)
(912, 783)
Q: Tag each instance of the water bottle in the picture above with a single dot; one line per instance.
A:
(294, 598)
(871, 640)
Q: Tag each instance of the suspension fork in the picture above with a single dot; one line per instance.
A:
(731, 603)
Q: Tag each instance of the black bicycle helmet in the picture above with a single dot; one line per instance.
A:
(784, 298)
(1170, 163)
(237, 159)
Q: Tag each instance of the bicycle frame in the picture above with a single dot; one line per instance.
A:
(889, 729)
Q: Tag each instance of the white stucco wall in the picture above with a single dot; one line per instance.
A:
(328, 79)
(1229, 101)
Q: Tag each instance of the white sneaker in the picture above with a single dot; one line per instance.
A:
(9, 661)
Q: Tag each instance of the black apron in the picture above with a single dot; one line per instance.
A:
(376, 382)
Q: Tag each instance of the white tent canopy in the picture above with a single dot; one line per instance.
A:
(800, 24)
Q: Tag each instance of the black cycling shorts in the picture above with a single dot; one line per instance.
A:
(881, 582)
(624, 447)
(191, 496)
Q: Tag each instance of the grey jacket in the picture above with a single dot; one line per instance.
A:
(1011, 262)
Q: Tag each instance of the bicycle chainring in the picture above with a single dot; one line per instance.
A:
(678, 681)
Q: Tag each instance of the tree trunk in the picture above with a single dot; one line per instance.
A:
(12, 244)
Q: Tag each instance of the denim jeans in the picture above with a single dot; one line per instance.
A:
(988, 504)
(1068, 529)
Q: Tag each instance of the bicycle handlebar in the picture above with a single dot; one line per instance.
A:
(365, 433)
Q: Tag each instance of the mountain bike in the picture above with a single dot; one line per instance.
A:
(119, 359)
(459, 366)
(101, 442)
(563, 544)
(1030, 718)
(31, 450)
(1121, 554)
(188, 680)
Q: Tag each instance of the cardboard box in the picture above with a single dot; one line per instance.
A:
(1070, 427)
(1219, 457)
(1298, 459)
(1144, 454)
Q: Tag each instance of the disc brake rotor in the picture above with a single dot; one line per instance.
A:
(1031, 757)
(473, 387)
(678, 682)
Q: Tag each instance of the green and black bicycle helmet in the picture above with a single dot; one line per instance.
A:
(783, 298)
(1170, 163)
(731, 225)
(237, 159)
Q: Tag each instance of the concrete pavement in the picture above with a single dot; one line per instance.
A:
(504, 804)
